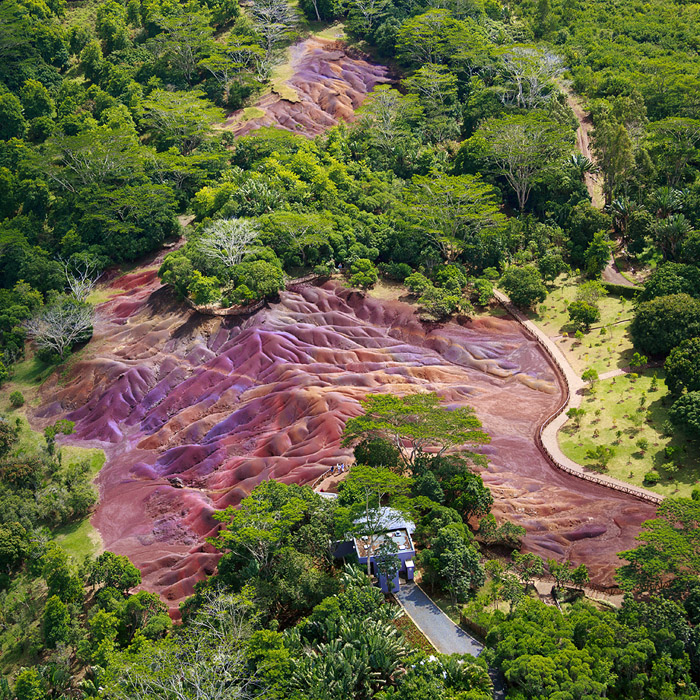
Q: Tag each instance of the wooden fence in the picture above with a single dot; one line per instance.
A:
(601, 480)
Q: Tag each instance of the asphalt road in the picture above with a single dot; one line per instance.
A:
(445, 636)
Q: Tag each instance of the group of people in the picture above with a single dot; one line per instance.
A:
(339, 468)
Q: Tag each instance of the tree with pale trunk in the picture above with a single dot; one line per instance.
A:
(274, 20)
(91, 157)
(414, 424)
(81, 276)
(389, 115)
(521, 147)
(528, 74)
(61, 326)
(366, 14)
(184, 37)
(367, 489)
(448, 209)
(228, 240)
(209, 662)
(179, 118)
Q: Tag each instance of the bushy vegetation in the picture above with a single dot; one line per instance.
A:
(462, 176)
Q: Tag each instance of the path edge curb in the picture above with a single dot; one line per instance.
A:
(568, 401)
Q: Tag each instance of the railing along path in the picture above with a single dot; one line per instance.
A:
(580, 473)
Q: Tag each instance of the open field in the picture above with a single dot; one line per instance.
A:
(613, 417)
(606, 347)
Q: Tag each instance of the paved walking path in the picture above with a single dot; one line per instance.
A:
(441, 632)
(614, 276)
(575, 384)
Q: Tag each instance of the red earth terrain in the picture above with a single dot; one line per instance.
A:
(327, 85)
(223, 403)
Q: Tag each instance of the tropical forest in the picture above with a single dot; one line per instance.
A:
(349, 350)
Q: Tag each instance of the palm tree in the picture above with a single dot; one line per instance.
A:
(582, 165)
(665, 201)
(670, 233)
(621, 209)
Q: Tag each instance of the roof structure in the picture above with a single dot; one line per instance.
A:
(391, 519)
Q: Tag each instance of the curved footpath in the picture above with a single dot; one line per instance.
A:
(547, 439)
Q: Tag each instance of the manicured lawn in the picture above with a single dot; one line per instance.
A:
(605, 347)
(617, 402)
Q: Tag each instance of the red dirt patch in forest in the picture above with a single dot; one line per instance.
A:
(224, 403)
(330, 85)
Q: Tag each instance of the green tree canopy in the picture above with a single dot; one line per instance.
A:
(520, 148)
(682, 367)
(524, 286)
(415, 423)
(668, 557)
(664, 322)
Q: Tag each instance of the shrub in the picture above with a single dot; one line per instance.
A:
(524, 286)
(652, 478)
(324, 270)
(685, 413)
(376, 453)
(683, 367)
(664, 322)
(583, 315)
(396, 271)
(417, 283)
(16, 399)
(364, 273)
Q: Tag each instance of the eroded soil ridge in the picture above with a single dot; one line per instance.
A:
(195, 411)
(327, 84)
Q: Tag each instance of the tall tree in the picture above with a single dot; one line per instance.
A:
(614, 154)
(528, 73)
(179, 118)
(450, 210)
(228, 240)
(274, 20)
(184, 37)
(414, 423)
(366, 490)
(676, 144)
(61, 326)
(521, 148)
(668, 557)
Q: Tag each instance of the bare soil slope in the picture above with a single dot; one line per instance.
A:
(224, 403)
(326, 86)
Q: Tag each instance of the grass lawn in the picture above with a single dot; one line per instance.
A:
(279, 76)
(77, 538)
(605, 347)
(617, 402)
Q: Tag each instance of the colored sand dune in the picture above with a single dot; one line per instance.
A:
(194, 411)
(326, 86)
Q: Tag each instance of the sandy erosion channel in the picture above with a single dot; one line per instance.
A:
(223, 403)
(326, 86)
